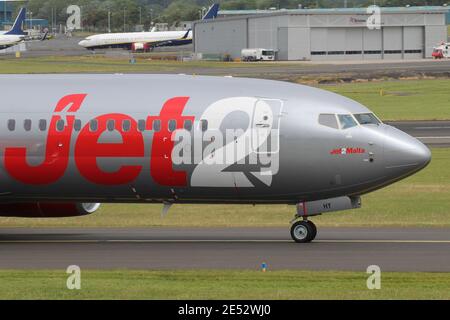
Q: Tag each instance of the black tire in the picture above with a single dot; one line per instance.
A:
(303, 231)
(313, 226)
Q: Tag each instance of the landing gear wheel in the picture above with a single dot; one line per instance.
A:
(313, 226)
(303, 231)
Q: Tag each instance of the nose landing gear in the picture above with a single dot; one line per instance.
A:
(303, 231)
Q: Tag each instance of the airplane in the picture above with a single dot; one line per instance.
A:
(144, 41)
(178, 139)
(15, 35)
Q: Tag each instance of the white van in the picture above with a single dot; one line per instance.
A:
(258, 54)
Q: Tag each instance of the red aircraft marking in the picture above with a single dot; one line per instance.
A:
(161, 159)
(88, 148)
(56, 153)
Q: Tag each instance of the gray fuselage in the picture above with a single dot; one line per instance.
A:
(291, 143)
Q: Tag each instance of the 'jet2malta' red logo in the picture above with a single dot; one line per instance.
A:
(349, 150)
(88, 148)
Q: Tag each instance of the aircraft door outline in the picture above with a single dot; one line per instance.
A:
(266, 122)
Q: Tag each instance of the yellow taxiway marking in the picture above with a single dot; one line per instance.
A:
(215, 241)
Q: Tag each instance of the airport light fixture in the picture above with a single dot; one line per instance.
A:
(202, 12)
(140, 15)
(30, 17)
(109, 21)
(151, 16)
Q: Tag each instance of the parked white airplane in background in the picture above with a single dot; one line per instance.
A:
(143, 41)
(15, 35)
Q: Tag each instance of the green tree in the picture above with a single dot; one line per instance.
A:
(180, 10)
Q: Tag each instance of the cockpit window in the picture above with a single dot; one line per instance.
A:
(347, 121)
(367, 118)
(328, 120)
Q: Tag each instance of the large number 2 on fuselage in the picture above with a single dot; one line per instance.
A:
(206, 174)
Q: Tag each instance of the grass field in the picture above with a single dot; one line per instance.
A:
(401, 100)
(422, 200)
(101, 64)
(222, 285)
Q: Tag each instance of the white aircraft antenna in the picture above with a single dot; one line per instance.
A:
(165, 209)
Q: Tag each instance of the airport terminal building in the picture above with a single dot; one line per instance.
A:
(325, 34)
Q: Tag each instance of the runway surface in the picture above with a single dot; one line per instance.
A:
(393, 249)
(432, 133)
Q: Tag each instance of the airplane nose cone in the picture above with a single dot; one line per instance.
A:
(82, 43)
(404, 154)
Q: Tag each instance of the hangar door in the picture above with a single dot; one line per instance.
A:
(354, 43)
(319, 43)
(393, 42)
(414, 42)
(335, 43)
(363, 43)
(283, 44)
(372, 44)
(293, 43)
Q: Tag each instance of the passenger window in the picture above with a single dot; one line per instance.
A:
(367, 118)
(156, 125)
(328, 120)
(141, 125)
(27, 124)
(93, 125)
(60, 125)
(188, 125)
(204, 125)
(11, 124)
(172, 125)
(110, 125)
(126, 125)
(77, 125)
(42, 124)
(346, 121)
